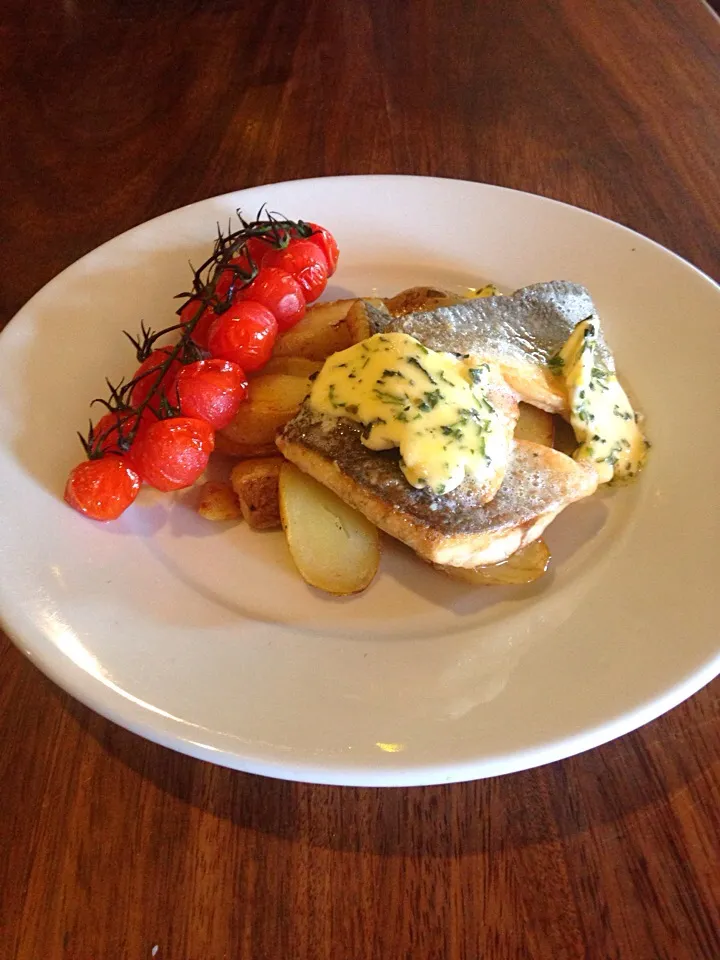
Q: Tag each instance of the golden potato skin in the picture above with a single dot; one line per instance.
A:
(218, 502)
(334, 547)
(255, 483)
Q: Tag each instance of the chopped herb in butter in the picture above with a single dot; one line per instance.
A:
(432, 406)
(605, 424)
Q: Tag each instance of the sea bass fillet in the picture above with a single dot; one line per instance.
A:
(455, 529)
(521, 333)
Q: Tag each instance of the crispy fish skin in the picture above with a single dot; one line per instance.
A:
(520, 333)
(455, 529)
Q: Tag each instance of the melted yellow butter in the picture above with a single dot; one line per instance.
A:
(431, 405)
(489, 290)
(601, 415)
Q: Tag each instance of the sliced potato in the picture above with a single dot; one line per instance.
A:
(535, 425)
(218, 502)
(292, 366)
(255, 483)
(273, 400)
(334, 547)
(525, 566)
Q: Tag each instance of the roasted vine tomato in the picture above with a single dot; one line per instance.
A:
(256, 249)
(280, 293)
(171, 454)
(245, 334)
(107, 432)
(149, 380)
(250, 258)
(326, 241)
(211, 390)
(202, 327)
(226, 279)
(102, 489)
(306, 262)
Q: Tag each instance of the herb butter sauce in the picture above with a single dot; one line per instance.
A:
(601, 416)
(432, 406)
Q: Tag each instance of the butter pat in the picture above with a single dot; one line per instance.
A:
(432, 406)
(604, 422)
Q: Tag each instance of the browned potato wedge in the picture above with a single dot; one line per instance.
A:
(293, 366)
(334, 547)
(218, 502)
(273, 400)
(243, 451)
(419, 298)
(525, 566)
(535, 425)
(564, 439)
(357, 321)
(412, 299)
(256, 484)
(322, 331)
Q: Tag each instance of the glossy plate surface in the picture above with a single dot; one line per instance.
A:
(205, 639)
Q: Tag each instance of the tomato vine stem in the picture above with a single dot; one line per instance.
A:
(276, 231)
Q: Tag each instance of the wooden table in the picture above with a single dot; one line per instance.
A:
(115, 112)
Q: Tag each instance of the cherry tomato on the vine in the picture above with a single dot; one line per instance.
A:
(280, 293)
(211, 390)
(306, 262)
(171, 454)
(245, 334)
(202, 327)
(257, 248)
(102, 489)
(149, 380)
(327, 243)
(248, 262)
(106, 435)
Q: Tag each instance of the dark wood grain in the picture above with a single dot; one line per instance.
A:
(115, 112)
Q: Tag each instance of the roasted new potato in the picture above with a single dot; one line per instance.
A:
(415, 299)
(255, 483)
(273, 400)
(525, 566)
(334, 547)
(322, 331)
(218, 502)
(292, 366)
(535, 425)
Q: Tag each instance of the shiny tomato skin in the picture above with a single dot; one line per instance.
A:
(256, 250)
(143, 387)
(102, 489)
(281, 293)
(106, 432)
(327, 243)
(306, 262)
(245, 334)
(172, 454)
(251, 259)
(211, 390)
(202, 327)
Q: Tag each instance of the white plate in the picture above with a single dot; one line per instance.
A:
(206, 640)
